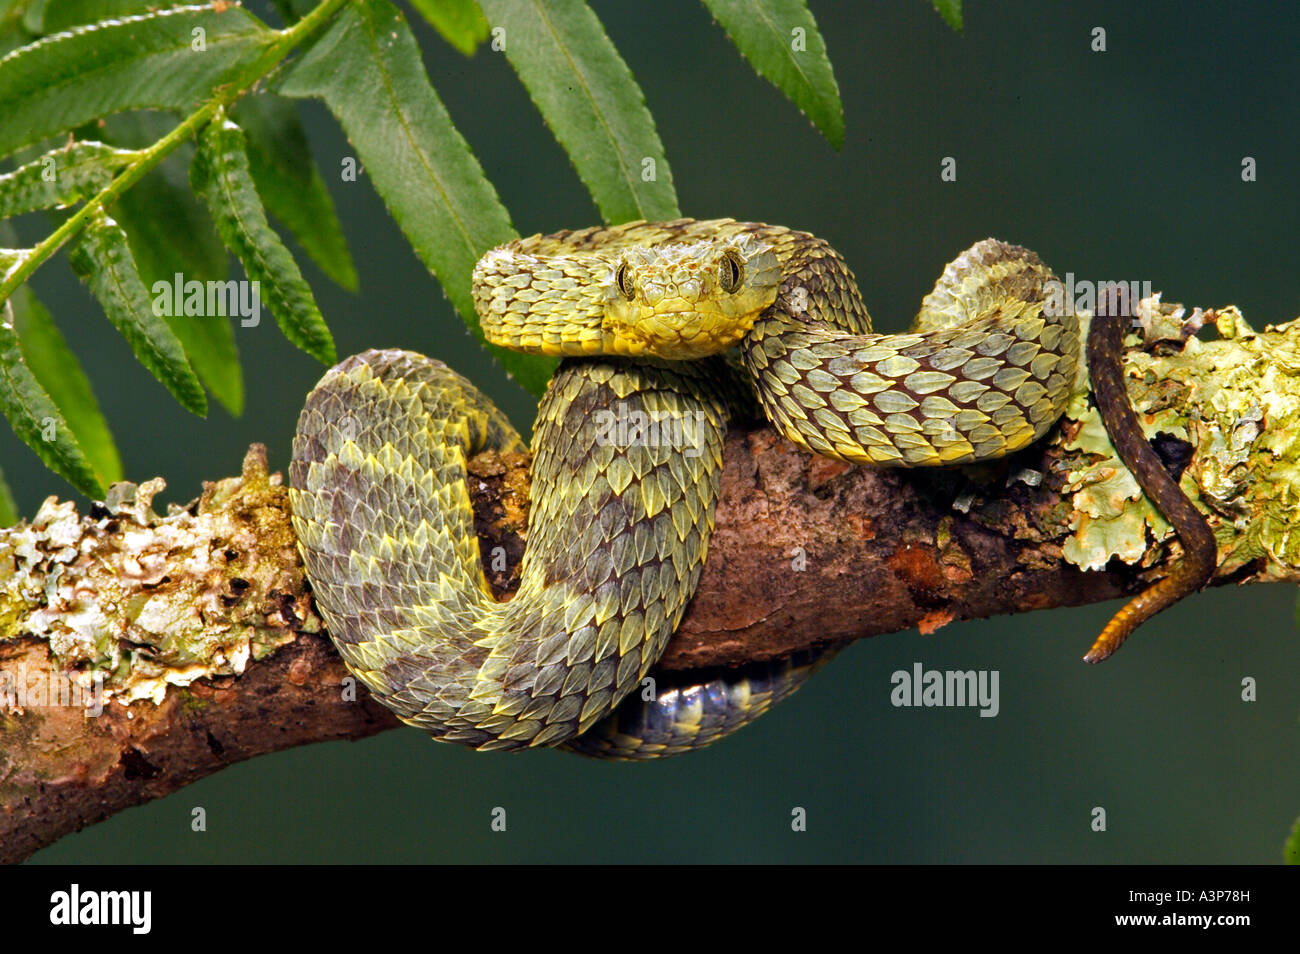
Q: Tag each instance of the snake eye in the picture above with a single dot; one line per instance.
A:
(623, 279)
(731, 271)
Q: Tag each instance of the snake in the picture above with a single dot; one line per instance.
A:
(1105, 348)
(668, 331)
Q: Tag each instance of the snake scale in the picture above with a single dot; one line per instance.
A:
(627, 457)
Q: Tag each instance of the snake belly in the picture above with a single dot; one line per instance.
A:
(619, 528)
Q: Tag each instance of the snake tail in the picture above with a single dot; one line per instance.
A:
(1105, 350)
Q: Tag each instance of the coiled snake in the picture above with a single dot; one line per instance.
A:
(627, 455)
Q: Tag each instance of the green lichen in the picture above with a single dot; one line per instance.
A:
(943, 534)
(152, 602)
(192, 703)
(1237, 401)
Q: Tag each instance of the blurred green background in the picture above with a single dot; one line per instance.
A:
(1124, 164)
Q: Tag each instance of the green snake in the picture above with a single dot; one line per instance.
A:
(668, 331)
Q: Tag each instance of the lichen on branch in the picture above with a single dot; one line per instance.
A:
(146, 602)
(195, 643)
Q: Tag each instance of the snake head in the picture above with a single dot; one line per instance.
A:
(686, 300)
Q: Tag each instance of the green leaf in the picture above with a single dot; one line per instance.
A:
(61, 177)
(220, 174)
(58, 371)
(102, 258)
(781, 41)
(8, 506)
(460, 22)
(142, 62)
(291, 186)
(33, 14)
(1291, 851)
(11, 259)
(12, 32)
(209, 343)
(54, 16)
(169, 228)
(12, 37)
(592, 103)
(367, 69)
(171, 234)
(12, 11)
(35, 418)
(950, 10)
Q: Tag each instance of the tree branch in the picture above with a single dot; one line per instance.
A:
(193, 640)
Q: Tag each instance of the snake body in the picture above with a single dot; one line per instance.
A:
(620, 519)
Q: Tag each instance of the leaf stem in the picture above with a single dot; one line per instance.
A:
(286, 41)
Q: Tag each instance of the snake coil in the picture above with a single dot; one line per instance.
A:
(620, 519)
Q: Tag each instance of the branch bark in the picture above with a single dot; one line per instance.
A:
(193, 641)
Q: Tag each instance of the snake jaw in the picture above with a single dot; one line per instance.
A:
(680, 332)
